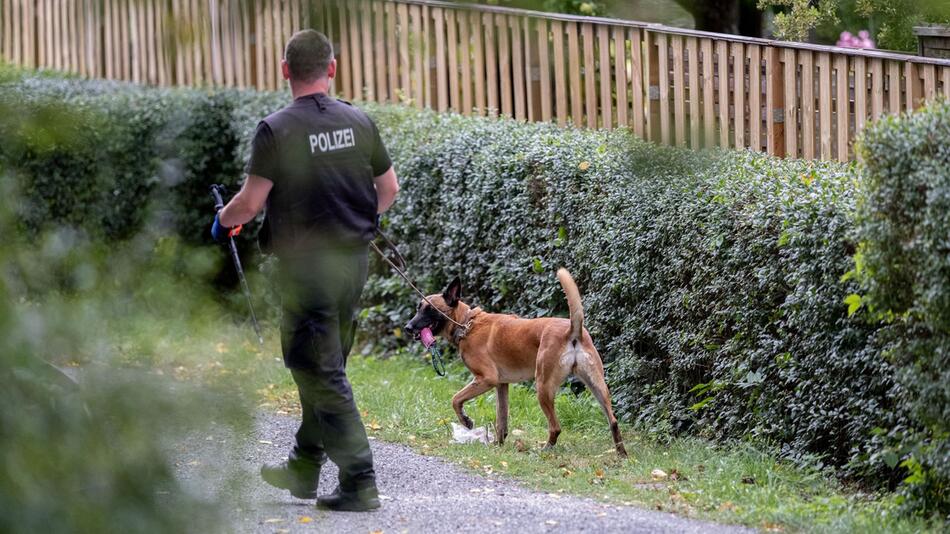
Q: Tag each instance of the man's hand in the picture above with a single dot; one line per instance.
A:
(218, 232)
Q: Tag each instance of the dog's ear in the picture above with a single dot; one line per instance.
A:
(453, 292)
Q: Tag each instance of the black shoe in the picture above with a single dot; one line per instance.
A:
(356, 501)
(300, 481)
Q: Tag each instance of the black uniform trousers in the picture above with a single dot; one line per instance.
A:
(320, 293)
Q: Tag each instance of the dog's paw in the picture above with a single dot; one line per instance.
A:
(467, 422)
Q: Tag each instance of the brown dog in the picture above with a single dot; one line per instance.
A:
(502, 349)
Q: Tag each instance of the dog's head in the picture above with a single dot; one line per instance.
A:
(427, 317)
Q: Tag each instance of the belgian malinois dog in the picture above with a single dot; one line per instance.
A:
(502, 349)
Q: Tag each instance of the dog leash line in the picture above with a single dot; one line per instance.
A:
(405, 277)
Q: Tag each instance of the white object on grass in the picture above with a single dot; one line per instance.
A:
(460, 434)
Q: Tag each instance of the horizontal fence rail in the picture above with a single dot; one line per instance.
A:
(668, 85)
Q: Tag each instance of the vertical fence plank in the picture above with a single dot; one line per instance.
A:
(663, 63)
(491, 63)
(560, 81)
(504, 64)
(517, 69)
(477, 35)
(738, 92)
(453, 50)
(679, 91)
(946, 82)
(574, 70)
(417, 62)
(590, 79)
(636, 81)
(842, 106)
(438, 18)
(775, 102)
(930, 81)
(709, 93)
(755, 96)
(877, 88)
(651, 76)
(379, 51)
(356, 52)
(911, 86)
(466, 53)
(544, 68)
(808, 103)
(620, 68)
(894, 87)
(366, 46)
(606, 82)
(531, 60)
(7, 30)
(722, 54)
(860, 94)
(695, 125)
(405, 69)
(791, 103)
(824, 105)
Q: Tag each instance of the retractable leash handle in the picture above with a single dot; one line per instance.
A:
(218, 206)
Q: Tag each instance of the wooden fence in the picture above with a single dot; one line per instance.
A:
(669, 85)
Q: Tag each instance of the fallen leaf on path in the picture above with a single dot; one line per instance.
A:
(520, 446)
(504, 464)
(305, 519)
(584, 165)
(599, 473)
(658, 474)
(265, 442)
(374, 425)
(551, 522)
(517, 432)
(274, 520)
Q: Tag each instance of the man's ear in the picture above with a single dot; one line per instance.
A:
(285, 69)
(453, 292)
(331, 69)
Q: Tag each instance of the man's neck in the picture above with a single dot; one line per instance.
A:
(321, 85)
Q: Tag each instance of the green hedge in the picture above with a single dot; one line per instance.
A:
(904, 263)
(714, 283)
(711, 280)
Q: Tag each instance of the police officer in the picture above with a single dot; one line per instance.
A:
(321, 168)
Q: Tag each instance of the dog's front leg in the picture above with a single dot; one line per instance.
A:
(474, 388)
(501, 413)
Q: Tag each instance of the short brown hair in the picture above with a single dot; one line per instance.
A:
(308, 55)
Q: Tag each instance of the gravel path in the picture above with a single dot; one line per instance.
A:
(419, 493)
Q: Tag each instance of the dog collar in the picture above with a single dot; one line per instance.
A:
(458, 334)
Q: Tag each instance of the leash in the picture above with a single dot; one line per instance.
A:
(401, 272)
(438, 364)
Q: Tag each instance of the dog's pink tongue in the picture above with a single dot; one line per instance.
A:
(426, 336)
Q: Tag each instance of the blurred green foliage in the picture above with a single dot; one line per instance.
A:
(85, 288)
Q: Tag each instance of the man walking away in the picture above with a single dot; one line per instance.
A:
(322, 170)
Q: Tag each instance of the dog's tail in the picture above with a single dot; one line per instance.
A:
(573, 303)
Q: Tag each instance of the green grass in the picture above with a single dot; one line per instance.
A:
(403, 401)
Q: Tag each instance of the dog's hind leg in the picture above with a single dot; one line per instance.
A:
(591, 371)
(474, 388)
(501, 413)
(551, 372)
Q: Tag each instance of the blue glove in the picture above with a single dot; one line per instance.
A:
(218, 232)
